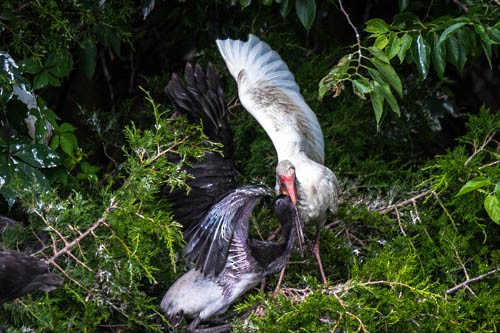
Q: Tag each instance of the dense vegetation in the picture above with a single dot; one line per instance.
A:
(407, 96)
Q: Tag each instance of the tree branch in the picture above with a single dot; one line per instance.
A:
(469, 281)
(404, 203)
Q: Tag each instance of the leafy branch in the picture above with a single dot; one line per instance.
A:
(441, 41)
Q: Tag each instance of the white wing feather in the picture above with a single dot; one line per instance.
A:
(267, 89)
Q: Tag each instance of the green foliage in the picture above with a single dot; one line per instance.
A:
(26, 127)
(113, 244)
(437, 41)
(427, 266)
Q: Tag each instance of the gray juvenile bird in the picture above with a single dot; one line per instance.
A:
(200, 295)
(21, 274)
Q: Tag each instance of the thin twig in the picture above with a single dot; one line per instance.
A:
(399, 222)
(78, 239)
(477, 151)
(461, 5)
(469, 281)
(404, 203)
(358, 39)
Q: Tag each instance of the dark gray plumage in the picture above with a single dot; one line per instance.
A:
(199, 296)
(21, 274)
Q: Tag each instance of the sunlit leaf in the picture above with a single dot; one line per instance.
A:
(423, 56)
(388, 73)
(492, 206)
(362, 86)
(383, 89)
(451, 29)
(38, 156)
(474, 184)
(394, 46)
(381, 42)
(406, 41)
(377, 26)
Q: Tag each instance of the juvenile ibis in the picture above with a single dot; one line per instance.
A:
(268, 91)
(201, 294)
(21, 274)
(215, 213)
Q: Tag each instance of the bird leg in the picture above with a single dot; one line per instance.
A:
(318, 257)
(280, 279)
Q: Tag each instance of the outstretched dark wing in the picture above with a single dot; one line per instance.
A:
(21, 274)
(209, 242)
(200, 97)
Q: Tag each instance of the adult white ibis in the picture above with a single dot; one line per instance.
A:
(201, 294)
(268, 91)
(21, 274)
(215, 213)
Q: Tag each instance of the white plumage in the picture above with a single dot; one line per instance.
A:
(268, 91)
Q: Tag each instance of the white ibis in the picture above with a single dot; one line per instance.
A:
(268, 91)
(201, 294)
(21, 274)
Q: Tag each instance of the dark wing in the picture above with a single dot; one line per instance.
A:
(21, 274)
(200, 97)
(208, 243)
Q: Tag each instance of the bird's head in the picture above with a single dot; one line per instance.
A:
(285, 172)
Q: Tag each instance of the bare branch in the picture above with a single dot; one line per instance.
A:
(477, 151)
(358, 39)
(405, 202)
(78, 239)
(469, 281)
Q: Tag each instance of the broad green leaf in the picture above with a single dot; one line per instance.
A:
(423, 56)
(379, 54)
(492, 206)
(60, 64)
(40, 80)
(405, 46)
(481, 31)
(381, 42)
(377, 26)
(388, 74)
(438, 56)
(30, 65)
(394, 46)
(405, 20)
(378, 105)
(53, 80)
(88, 54)
(462, 50)
(497, 190)
(487, 52)
(38, 155)
(65, 127)
(474, 184)
(306, 11)
(362, 86)
(54, 143)
(66, 144)
(383, 89)
(286, 7)
(451, 29)
(452, 50)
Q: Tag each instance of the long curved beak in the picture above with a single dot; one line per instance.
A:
(288, 188)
